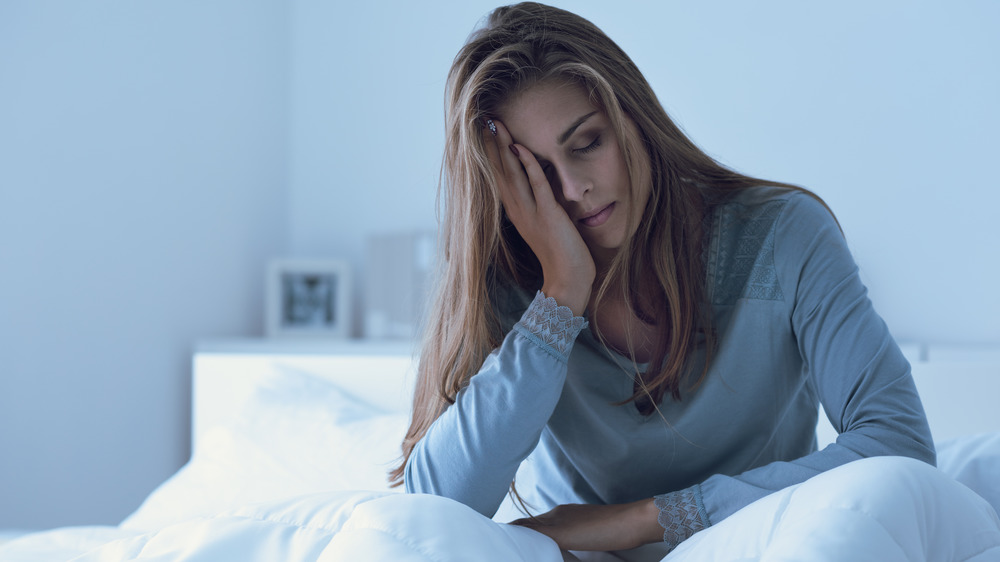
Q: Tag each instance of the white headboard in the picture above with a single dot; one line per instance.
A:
(959, 386)
(225, 373)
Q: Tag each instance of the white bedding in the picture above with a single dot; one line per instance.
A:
(279, 480)
(881, 509)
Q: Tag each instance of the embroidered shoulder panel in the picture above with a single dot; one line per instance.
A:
(743, 252)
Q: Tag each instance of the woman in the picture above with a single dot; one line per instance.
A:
(658, 329)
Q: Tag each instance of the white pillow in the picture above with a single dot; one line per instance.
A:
(297, 434)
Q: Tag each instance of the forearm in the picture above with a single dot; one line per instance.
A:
(724, 495)
(473, 449)
(849, 359)
(599, 527)
(648, 521)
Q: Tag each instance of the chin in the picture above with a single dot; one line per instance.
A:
(603, 252)
(606, 244)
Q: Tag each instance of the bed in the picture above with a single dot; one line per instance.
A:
(291, 444)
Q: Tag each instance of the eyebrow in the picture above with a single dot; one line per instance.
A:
(569, 132)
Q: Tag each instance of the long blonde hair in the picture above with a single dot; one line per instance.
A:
(519, 46)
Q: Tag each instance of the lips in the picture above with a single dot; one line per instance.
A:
(598, 218)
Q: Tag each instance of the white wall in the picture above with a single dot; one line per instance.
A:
(142, 163)
(366, 120)
(144, 180)
(886, 109)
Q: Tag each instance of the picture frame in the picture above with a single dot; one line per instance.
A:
(308, 298)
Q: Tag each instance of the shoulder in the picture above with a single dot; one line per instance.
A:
(762, 214)
(756, 235)
(768, 202)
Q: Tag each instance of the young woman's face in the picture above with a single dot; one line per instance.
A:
(576, 145)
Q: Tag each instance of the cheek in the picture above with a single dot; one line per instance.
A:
(553, 178)
(556, 185)
(617, 176)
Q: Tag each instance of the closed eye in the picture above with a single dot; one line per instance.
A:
(590, 147)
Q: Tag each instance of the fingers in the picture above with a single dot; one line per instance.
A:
(537, 180)
(529, 521)
(493, 155)
(522, 172)
(512, 183)
(511, 165)
(492, 149)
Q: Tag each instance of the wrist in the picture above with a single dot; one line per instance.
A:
(645, 521)
(572, 297)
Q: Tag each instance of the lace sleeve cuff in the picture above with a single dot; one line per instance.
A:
(682, 514)
(551, 324)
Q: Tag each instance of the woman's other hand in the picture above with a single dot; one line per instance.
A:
(567, 266)
(599, 527)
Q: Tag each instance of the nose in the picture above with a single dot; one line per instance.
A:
(571, 184)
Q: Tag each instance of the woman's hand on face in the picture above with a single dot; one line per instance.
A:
(599, 527)
(567, 266)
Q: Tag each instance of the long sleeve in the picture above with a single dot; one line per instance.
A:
(857, 370)
(794, 327)
(472, 451)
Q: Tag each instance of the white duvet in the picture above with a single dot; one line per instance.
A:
(258, 489)
(881, 509)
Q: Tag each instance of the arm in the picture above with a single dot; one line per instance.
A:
(472, 451)
(851, 360)
(860, 375)
(599, 527)
(858, 371)
(670, 518)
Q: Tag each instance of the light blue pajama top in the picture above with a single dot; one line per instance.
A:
(795, 328)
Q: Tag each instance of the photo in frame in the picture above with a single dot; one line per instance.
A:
(308, 298)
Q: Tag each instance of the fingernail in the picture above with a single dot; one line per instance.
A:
(514, 150)
(492, 126)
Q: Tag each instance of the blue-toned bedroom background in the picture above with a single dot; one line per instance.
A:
(154, 155)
